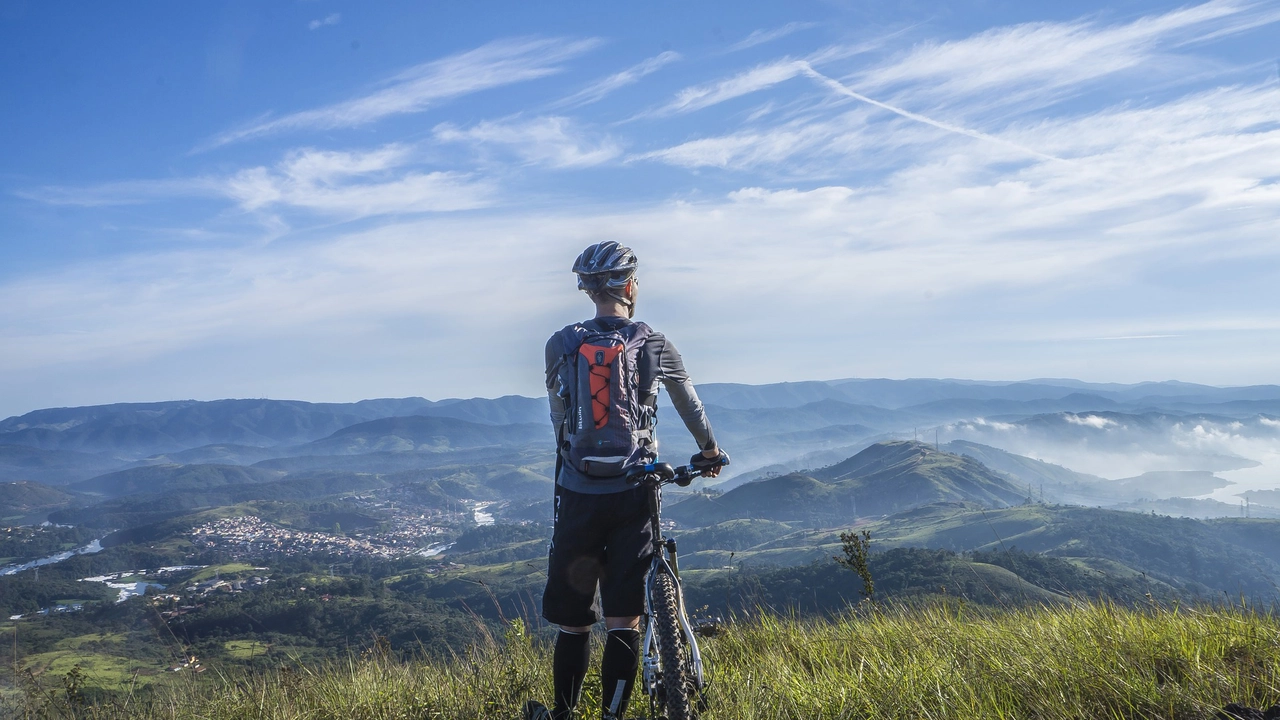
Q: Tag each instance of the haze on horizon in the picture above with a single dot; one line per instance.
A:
(328, 201)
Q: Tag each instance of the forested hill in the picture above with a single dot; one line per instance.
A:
(886, 478)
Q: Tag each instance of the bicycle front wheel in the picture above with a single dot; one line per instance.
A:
(677, 684)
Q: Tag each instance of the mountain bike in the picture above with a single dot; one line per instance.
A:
(673, 671)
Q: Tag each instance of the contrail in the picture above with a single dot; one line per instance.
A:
(840, 87)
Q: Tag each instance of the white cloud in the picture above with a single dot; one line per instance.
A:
(550, 141)
(334, 183)
(1020, 68)
(1097, 422)
(759, 37)
(916, 224)
(745, 83)
(1028, 65)
(493, 65)
(349, 184)
(332, 19)
(599, 90)
(749, 148)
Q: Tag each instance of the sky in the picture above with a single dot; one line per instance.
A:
(332, 201)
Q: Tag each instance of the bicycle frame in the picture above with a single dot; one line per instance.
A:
(665, 561)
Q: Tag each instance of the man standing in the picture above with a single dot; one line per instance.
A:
(603, 378)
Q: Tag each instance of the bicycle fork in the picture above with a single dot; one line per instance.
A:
(652, 662)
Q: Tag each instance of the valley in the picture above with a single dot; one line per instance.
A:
(260, 533)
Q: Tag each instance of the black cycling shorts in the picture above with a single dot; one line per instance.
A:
(600, 541)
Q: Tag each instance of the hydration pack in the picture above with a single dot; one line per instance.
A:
(608, 427)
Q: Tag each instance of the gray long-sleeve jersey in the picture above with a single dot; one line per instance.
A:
(659, 362)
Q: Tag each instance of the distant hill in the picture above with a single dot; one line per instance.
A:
(21, 498)
(885, 478)
(160, 505)
(1025, 469)
(156, 479)
(953, 408)
(1159, 485)
(900, 394)
(1193, 508)
(1106, 429)
(425, 434)
(23, 462)
(506, 410)
(141, 429)
(218, 454)
(1047, 481)
(752, 422)
(1270, 498)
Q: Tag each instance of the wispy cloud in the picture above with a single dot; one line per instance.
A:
(344, 184)
(123, 192)
(1032, 64)
(599, 90)
(1021, 68)
(550, 141)
(886, 195)
(349, 184)
(759, 37)
(332, 19)
(748, 148)
(493, 65)
(754, 80)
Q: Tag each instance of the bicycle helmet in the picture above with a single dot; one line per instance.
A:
(607, 268)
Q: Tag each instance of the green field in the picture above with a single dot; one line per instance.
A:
(937, 661)
(245, 649)
(230, 571)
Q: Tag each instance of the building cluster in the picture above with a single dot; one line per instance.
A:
(172, 605)
(250, 536)
(54, 610)
(405, 530)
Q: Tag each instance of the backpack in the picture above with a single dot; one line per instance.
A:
(608, 427)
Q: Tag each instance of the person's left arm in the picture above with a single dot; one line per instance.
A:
(558, 409)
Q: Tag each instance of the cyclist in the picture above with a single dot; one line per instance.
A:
(602, 538)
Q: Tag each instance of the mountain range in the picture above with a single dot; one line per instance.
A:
(1054, 440)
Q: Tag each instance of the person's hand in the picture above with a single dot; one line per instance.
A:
(709, 462)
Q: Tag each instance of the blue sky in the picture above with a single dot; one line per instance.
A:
(331, 201)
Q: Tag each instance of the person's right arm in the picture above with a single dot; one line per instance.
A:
(670, 370)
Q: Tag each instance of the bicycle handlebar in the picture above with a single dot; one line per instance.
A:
(665, 474)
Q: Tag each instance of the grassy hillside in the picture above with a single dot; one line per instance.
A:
(942, 661)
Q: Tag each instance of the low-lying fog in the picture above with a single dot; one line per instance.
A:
(1114, 445)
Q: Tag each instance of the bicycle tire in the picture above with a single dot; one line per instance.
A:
(677, 684)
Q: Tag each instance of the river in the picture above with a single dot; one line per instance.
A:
(480, 516)
(93, 547)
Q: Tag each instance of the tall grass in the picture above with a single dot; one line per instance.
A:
(1085, 661)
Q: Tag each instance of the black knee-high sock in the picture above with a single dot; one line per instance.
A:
(618, 669)
(568, 670)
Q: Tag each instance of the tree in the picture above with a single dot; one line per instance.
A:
(857, 551)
